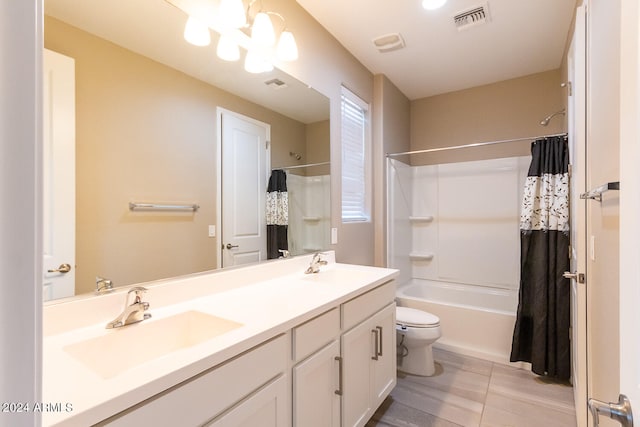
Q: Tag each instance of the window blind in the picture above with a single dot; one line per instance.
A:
(354, 155)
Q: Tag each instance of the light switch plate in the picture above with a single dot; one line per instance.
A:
(212, 231)
(334, 236)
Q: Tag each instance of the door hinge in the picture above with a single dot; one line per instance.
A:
(570, 170)
(266, 144)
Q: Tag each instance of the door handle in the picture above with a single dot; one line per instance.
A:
(64, 268)
(620, 412)
(229, 246)
(379, 328)
(578, 277)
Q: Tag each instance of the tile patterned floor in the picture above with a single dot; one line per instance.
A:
(470, 392)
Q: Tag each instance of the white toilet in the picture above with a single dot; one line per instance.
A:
(417, 330)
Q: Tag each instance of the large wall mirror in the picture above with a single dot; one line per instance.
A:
(147, 111)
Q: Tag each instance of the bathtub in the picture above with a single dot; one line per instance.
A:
(475, 320)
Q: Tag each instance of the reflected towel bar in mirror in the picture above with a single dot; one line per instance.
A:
(162, 207)
(596, 193)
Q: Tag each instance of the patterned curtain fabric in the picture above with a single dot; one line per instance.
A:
(541, 333)
(277, 214)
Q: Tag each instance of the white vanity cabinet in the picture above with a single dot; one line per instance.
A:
(316, 376)
(369, 355)
(344, 382)
(249, 387)
(267, 407)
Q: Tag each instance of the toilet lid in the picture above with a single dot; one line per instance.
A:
(416, 318)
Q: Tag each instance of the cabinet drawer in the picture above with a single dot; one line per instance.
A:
(201, 398)
(359, 308)
(315, 333)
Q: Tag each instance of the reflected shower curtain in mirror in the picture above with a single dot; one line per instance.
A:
(541, 333)
(277, 214)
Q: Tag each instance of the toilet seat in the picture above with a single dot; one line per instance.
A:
(414, 318)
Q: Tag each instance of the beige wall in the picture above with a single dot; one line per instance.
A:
(503, 110)
(146, 132)
(318, 148)
(326, 65)
(391, 126)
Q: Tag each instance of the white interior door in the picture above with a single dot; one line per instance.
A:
(577, 138)
(630, 204)
(59, 196)
(245, 160)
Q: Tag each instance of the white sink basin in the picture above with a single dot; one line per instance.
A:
(129, 346)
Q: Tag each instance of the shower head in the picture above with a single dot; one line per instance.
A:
(295, 155)
(546, 120)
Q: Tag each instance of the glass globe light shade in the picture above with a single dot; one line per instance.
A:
(287, 49)
(228, 49)
(232, 14)
(262, 31)
(254, 63)
(196, 33)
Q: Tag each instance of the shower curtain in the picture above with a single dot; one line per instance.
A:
(541, 333)
(277, 214)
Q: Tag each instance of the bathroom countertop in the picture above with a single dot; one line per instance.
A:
(266, 308)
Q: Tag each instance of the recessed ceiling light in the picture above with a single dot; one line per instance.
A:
(433, 4)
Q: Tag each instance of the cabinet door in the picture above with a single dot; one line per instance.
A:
(315, 382)
(357, 351)
(384, 367)
(265, 408)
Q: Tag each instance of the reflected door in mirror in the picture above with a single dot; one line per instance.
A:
(245, 160)
(58, 175)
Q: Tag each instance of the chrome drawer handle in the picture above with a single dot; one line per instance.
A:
(377, 343)
(339, 390)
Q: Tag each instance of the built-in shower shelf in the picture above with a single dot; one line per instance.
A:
(418, 219)
(420, 256)
(311, 218)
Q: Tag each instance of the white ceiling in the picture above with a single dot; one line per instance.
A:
(523, 37)
(153, 28)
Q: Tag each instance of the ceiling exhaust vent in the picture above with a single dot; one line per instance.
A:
(276, 84)
(389, 42)
(471, 17)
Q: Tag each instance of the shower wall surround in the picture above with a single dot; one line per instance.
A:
(309, 213)
(457, 222)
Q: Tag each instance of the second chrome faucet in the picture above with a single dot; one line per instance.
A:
(134, 312)
(315, 264)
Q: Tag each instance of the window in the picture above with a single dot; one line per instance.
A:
(356, 169)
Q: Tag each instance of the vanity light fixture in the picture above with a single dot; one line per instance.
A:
(254, 63)
(433, 4)
(260, 46)
(232, 13)
(227, 49)
(196, 33)
(262, 32)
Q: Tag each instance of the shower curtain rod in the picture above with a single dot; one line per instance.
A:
(301, 166)
(477, 144)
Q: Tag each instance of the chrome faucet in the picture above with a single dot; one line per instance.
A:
(315, 264)
(132, 313)
(103, 286)
(285, 253)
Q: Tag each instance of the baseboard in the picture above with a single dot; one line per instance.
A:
(490, 357)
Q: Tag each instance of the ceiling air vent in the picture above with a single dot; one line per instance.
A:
(389, 42)
(276, 84)
(472, 17)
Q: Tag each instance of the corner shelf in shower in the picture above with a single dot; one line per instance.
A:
(420, 256)
(419, 219)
